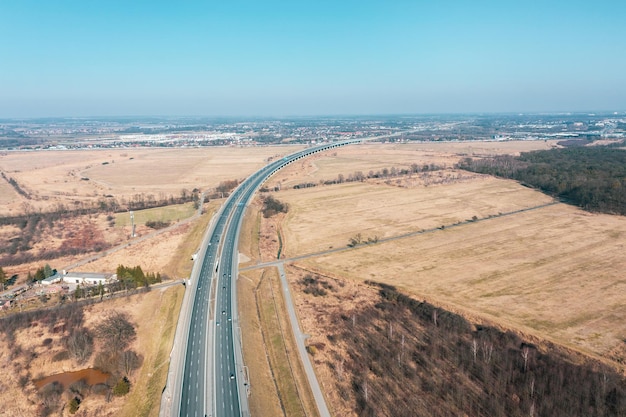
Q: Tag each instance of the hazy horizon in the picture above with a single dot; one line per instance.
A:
(282, 59)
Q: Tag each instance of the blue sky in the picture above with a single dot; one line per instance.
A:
(281, 58)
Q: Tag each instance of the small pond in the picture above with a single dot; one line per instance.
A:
(90, 375)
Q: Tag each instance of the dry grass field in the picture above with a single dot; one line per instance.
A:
(53, 177)
(167, 214)
(554, 272)
(375, 156)
(328, 216)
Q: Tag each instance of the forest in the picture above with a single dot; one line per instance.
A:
(410, 358)
(591, 177)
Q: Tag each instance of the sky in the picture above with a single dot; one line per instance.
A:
(70, 58)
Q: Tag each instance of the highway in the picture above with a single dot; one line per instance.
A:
(207, 376)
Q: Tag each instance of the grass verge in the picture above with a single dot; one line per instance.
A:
(180, 264)
(263, 400)
(163, 306)
(171, 213)
(276, 338)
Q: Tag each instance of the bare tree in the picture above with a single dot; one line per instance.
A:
(474, 349)
(525, 354)
(116, 331)
(80, 345)
(129, 361)
(50, 395)
(487, 351)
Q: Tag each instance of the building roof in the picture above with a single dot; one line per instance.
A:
(88, 275)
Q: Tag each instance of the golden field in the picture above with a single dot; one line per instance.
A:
(555, 271)
(66, 177)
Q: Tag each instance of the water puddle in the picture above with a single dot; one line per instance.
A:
(90, 375)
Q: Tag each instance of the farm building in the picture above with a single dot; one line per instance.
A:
(85, 278)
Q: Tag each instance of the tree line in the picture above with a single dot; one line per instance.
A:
(592, 177)
(107, 204)
(385, 173)
(16, 186)
(135, 277)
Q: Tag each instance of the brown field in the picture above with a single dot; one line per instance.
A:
(327, 216)
(7, 193)
(555, 272)
(148, 253)
(376, 156)
(54, 177)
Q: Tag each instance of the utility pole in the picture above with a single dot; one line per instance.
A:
(132, 224)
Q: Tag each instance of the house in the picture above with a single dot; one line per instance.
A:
(84, 278)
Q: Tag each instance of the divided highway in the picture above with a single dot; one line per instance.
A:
(207, 376)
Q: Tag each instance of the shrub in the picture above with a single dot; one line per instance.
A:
(61, 356)
(122, 387)
(272, 206)
(73, 405)
(157, 224)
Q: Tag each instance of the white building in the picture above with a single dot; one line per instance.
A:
(85, 278)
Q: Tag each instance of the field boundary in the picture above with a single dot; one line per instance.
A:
(397, 237)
